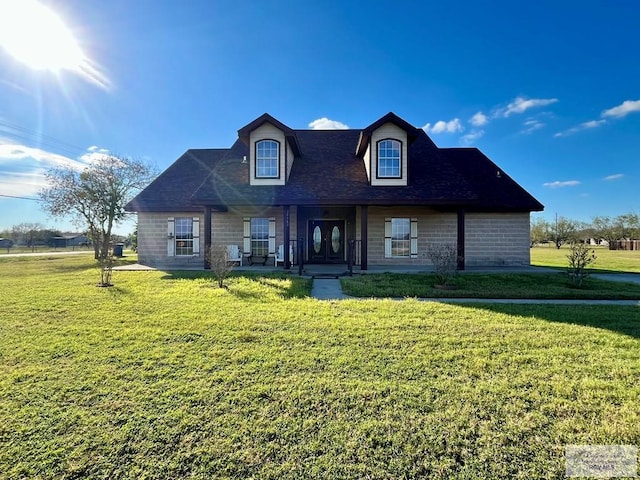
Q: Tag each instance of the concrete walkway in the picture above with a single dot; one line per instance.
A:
(331, 289)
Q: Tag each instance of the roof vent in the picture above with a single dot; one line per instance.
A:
(498, 175)
(244, 160)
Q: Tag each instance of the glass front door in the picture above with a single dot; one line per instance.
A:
(326, 241)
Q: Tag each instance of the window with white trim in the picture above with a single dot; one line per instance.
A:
(401, 237)
(184, 236)
(389, 159)
(259, 236)
(267, 159)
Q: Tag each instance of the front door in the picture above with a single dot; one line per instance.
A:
(326, 241)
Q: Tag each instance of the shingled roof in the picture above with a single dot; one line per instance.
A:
(329, 171)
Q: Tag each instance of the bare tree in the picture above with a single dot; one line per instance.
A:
(95, 197)
(217, 256)
(27, 233)
(563, 230)
(540, 231)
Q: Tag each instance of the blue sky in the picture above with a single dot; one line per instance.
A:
(549, 90)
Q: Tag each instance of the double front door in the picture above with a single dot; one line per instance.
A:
(326, 241)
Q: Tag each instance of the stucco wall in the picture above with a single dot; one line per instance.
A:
(388, 130)
(267, 131)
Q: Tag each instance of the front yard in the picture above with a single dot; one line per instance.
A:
(516, 285)
(164, 376)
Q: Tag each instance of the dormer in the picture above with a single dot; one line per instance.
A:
(383, 147)
(272, 149)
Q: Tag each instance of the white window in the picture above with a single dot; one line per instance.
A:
(267, 159)
(183, 236)
(260, 236)
(401, 238)
(389, 159)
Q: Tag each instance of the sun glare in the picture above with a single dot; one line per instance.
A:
(34, 35)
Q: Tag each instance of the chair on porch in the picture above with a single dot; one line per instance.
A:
(234, 254)
(280, 255)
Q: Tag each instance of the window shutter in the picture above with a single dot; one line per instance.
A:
(246, 247)
(171, 233)
(272, 236)
(414, 238)
(387, 237)
(196, 235)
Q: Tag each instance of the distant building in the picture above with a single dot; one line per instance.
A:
(63, 241)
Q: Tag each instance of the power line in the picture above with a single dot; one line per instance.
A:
(21, 198)
(33, 136)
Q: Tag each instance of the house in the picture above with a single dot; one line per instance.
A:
(72, 240)
(378, 196)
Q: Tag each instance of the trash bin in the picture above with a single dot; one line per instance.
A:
(117, 249)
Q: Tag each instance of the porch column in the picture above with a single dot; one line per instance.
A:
(207, 235)
(286, 222)
(364, 234)
(461, 259)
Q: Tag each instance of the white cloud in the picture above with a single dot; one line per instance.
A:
(479, 119)
(622, 110)
(22, 184)
(531, 126)
(471, 137)
(24, 168)
(12, 153)
(94, 154)
(557, 184)
(615, 176)
(521, 105)
(452, 126)
(583, 126)
(325, 124)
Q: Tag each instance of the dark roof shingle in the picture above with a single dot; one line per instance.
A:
(330, 172)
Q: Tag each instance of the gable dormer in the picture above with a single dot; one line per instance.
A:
(383, 147)
(272, 149)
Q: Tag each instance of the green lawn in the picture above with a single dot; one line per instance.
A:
(514, 285)
(164, 376)
(607, 261)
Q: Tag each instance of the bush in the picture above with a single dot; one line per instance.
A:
(445, 261)
(217, 256)
(580, 257)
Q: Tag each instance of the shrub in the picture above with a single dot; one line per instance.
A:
(580, 257)
(217, 256)
(445, 261)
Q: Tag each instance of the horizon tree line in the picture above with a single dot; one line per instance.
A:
(601, 229)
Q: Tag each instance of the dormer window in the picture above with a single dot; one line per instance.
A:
(267, 159)
(389, 159)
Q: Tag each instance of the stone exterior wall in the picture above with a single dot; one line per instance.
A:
(432, 227)
(152, 242)
(497, 239)
(227, 228)
(491, 239)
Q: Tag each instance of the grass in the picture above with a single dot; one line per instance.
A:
(614, 261)
(164, 376)
(476, 285)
